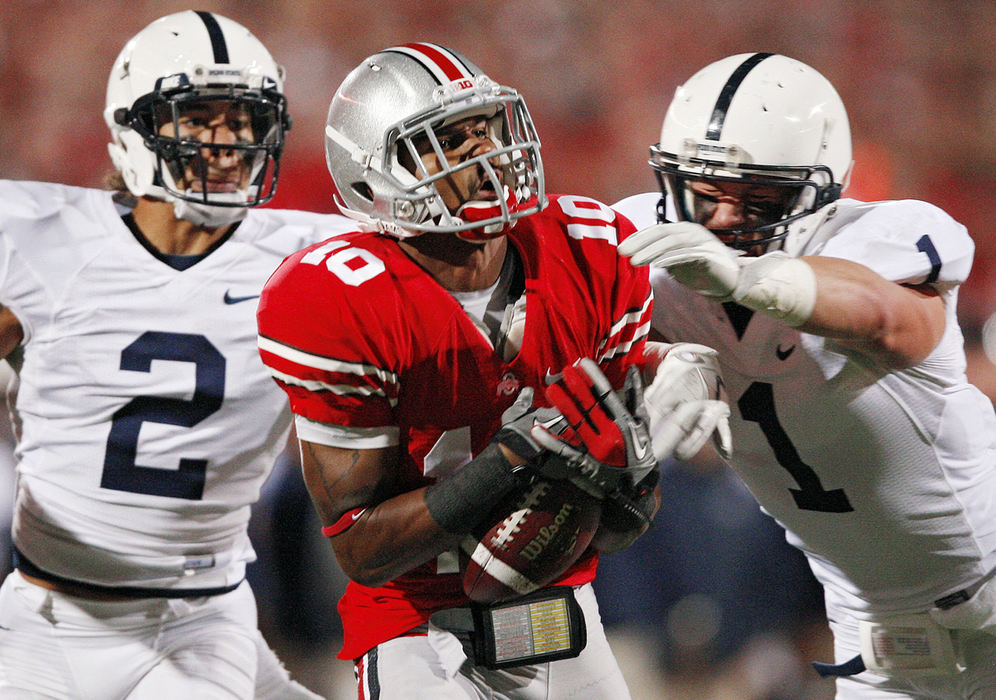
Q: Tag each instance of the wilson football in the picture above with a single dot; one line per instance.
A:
(531, 537)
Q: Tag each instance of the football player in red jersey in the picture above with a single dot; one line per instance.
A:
(402, 345)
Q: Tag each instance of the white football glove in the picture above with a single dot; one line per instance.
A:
(685, 402)
(774, 283)
(691, 253)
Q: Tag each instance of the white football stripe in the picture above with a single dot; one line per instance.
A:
(499, 570)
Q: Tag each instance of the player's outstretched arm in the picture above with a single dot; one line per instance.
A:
(685, 401)
(896, 324)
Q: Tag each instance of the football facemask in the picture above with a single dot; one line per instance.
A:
(772, 197)
(213, 146)
(476, 187)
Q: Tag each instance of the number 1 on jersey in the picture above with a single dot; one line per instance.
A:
(757, 405)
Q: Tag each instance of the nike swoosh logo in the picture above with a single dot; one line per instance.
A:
(783, 354)
(229, 299)
(357, 516)
(551, 378)
(555, 425)
(640, 447)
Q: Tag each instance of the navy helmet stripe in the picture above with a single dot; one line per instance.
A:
(726, 95)
(217, 36)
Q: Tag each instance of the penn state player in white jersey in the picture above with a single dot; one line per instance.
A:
(834, 320)
(148, 420)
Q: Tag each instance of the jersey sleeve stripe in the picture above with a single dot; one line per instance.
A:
(632, 316)
(318, 386)
(325, 364)
(346, 436)
(633, 327)
(624, 347)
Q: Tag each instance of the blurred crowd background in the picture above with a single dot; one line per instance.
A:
(711, 603)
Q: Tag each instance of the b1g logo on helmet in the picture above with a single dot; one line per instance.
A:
(508, 385)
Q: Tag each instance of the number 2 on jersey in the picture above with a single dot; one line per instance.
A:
(757, 405)
(121, 473)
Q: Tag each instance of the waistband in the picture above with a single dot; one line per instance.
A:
(84, 589)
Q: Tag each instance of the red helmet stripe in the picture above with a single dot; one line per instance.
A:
(443, 65)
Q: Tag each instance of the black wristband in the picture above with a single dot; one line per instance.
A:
(462, 499)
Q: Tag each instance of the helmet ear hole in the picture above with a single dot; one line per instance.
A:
(363, 190)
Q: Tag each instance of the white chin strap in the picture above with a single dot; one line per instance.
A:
(210, 216)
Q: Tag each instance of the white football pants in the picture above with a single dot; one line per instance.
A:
(54, 645)
(436, 667)
(977, 652)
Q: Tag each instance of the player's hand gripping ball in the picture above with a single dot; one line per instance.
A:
(528, 540)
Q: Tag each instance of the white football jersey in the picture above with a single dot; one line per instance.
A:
(885, 479)
(148, 421)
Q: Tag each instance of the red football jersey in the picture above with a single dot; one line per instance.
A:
(359, 335)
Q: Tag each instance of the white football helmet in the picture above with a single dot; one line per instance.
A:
(397, 99)
(760, 119)
(175, 66)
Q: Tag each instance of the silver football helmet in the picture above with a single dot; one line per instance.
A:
(394, 104)
(761, 119)
(172, 74)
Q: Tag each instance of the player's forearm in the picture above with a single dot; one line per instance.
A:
(407, 530)
(896, 325)
(391, 539)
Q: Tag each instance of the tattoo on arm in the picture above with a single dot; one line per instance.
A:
(340, 480)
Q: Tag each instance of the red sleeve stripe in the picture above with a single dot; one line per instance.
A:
(632, 316)
(623, 347)
(316, 385)
(318, 373)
